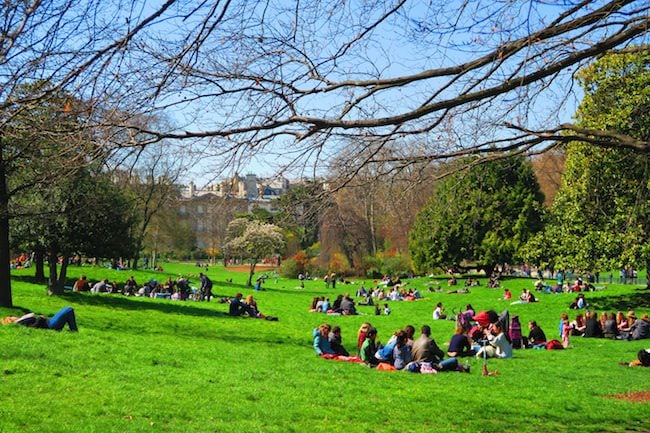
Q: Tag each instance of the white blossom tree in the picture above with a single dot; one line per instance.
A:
(253, 240)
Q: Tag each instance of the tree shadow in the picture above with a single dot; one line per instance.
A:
(121, 302)
(29, 279)
(640, 298)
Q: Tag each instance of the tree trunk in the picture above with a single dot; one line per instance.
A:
(5, 269)
(60, 282)
(252, 272)
(52, 280)
(39, 258)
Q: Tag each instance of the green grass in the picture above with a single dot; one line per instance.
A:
(163, 366)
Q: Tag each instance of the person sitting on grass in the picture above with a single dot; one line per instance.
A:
(252, 304)
(609, 329)
(321, 340)
(592, 326)
(425, 348)
(578, 325)
(459, 346)
(65, 316)
(439, 312)
(347, 306)
(239, 307)
(336, 342)
(536, 337)
(130, 287)
(81, 285)
(361, 335)
(369, 348)
(325, 306)
(640, 329)
(402, 351)
(499, 346)
(313, 308)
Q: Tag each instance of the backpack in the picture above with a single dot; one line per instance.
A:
(644, 357)
(554, 345)
(515, 332)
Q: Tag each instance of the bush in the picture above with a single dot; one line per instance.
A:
(290, 269)
(396, 265)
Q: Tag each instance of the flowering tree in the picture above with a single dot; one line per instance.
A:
(253, 240)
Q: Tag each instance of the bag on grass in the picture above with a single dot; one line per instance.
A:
(554, 345)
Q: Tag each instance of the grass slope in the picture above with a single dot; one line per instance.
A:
(157, 365)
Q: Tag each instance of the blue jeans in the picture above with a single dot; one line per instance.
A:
(59, 320)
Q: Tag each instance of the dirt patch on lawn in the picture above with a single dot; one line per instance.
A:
(637, 397)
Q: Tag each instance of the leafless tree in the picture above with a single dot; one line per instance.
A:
(305, 79)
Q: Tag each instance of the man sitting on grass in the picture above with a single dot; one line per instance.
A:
(239, 307)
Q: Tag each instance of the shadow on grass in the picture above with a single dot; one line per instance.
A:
(640, 298)
(122, 302)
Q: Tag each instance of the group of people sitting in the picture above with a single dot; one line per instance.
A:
(396, 293)
(618, 326)
(578, 285)
(179, 289)
(401, 352)
(342, 305)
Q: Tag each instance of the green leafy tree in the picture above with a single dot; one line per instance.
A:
(601, 216)
(84, 215)
(299, 212)
(482, 216)
(253, 240)
(40, 143)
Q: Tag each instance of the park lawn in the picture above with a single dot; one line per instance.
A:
(158, 365)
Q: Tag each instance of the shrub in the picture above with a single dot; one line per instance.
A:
(289, 269)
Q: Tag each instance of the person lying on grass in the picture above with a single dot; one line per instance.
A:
(65, 316)
(642, 359)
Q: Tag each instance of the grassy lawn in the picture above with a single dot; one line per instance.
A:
(170, 366)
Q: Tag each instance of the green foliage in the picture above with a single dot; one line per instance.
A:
(82, 214)
(290, 268)
(386, 264)
(299, 211)
(149, 364)
(483, 215)
(601, 215)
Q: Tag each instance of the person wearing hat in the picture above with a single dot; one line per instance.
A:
(640, 329)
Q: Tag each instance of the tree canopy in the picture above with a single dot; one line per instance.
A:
(601, 216)
(481, 217)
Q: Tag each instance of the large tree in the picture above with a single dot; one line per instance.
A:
(83, 214)
(299, 81)
(601, 216)
(52, 49)
(481, 217)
